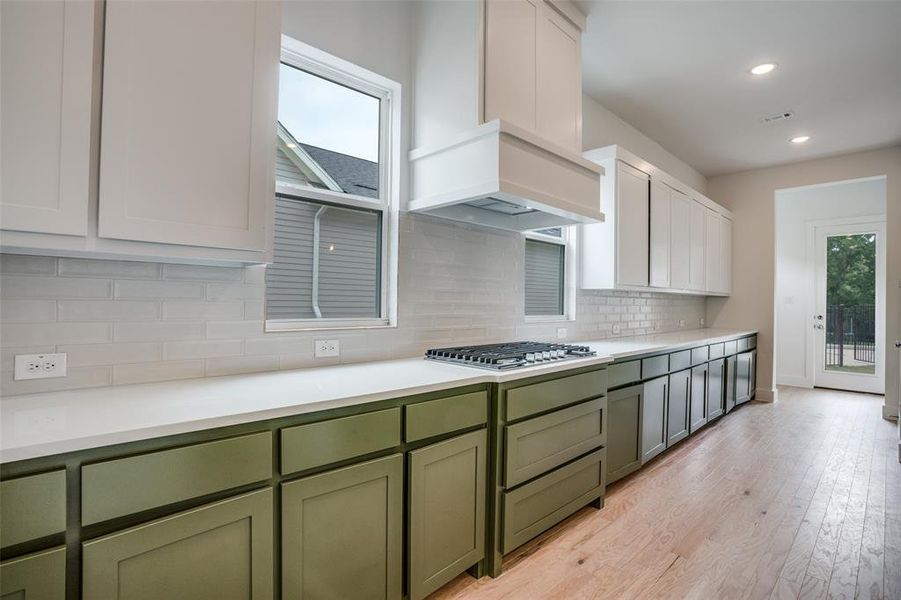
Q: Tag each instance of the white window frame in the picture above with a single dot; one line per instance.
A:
(312, 60)
(568, 241)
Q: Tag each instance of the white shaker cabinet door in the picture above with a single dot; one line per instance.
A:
(726, 255)
(661, 227)
(680, 241)
(698, 246)
(558, 104)
(47, 51)
(189, 110)
(632, 214)
(510, 55)
(712, 252)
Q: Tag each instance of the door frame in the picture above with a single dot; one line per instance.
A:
(860, 224)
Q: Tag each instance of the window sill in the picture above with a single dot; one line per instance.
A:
(278, 326)
(549, 319)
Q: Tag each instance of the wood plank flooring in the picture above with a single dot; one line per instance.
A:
(796, 499)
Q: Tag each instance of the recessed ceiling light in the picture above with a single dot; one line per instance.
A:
(799, 139)
(291, 145)
(763, 69)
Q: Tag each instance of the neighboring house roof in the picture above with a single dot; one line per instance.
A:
(321, 168)
(355, 175)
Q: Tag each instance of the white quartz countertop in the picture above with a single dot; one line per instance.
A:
(36, 425)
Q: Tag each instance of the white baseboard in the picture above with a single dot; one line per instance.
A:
(763, 395)
(889, 412)
(794, 381)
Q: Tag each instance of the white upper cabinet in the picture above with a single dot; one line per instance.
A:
(660, 231)
(659, 235)
(632, 214)
(188, 138)
(47, 51)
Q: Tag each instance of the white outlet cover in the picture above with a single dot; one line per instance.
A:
(616, 328)
(326, 348)
(702, 321)
(40, 366)
(561, 333)
(681, 322)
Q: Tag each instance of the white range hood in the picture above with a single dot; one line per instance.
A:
(503, 176)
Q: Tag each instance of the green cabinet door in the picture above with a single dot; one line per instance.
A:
(729, 384)
(752, 378)
(342, 532)
(698, 409)
(653, 418)
(219, 551)
(743, 377)
(716, 373)
(623, 432)
(447, 510)
(40, 576)
(677, 409)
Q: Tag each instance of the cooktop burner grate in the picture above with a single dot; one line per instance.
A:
(509, 355)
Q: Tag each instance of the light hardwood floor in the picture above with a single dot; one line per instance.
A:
(796, 499)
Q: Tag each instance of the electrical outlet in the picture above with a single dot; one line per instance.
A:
(40, 366)
(702, 321)
(561, 333)
(326, 348)
(616, 329)
(681, 322)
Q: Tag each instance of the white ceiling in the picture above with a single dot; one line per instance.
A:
(678, 71)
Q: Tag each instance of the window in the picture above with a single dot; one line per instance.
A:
(547, 275)
(337, 173)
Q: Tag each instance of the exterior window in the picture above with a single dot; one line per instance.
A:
(547, 275)
(337, 173)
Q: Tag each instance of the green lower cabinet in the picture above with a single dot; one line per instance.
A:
(677, 409)
(40, 576)
(447, 510)
(752, 382)
(653, 418)
(623, 432)
(729, 384)
(342, 532)
(219, 551)
(698, 406)
(743, 378)
(716, 400)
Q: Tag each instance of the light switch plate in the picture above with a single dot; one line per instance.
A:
(326, 348)
(681, 322)
(702, 321)
(40, 366)
(616, 329)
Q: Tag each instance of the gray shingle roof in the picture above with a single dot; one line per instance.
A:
(354, 175)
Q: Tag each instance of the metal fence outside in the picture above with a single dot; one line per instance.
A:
(850, 327)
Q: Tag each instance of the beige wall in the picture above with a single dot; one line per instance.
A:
(750, 195)
(600, 128)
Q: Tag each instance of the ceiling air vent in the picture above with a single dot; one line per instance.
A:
(777, 117)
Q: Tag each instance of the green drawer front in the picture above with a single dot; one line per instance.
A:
(679, 360)
(128, 485)
(39, 576)
(32, 507)
(446, 415)
(744, 344)
(717, 351)
(699, 355)
(538, 397)
(538, 445)
(539, 505)
(308, 446)
(752, 342)
(730, 347)
(622, 374)
(655, 366)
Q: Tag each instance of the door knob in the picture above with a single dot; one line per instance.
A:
(898, 344)
(817, 326)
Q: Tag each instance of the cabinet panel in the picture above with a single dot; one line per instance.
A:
(726, 255)
(47, 54)
(632, 214)
(716, 372)
(39, 576)
(712, 251)
(558, 103)
(696, 271)
(680, 242)
(621, 374)
(743, 378)
(187, 153)
(445, 415)
(655, 366)
(678, 407)
(341, 532)
(729, 383)
(624, 435)
(698, 412)
(32, 507)
(447, 510)
(661, 220)
(510, 55)
(219, 551)
(538, 397)
(540, 444)
(653, 418)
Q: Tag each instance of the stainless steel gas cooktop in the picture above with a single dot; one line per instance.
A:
(510, 355)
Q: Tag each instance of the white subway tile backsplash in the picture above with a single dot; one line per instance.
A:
(458, 284)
